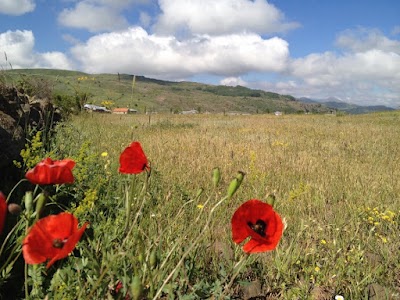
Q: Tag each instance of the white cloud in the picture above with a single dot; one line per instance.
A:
(19, 48)
(364, 78)
(367, 73)
(373, 62)
(233, 81)
(16, 7)
(220, 17)
(136, 51)
(53, 60)
(363, 39)
(93, 17)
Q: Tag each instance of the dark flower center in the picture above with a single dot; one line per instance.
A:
(258, 227)
(58, 243)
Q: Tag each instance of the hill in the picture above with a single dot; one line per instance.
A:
(155, 95)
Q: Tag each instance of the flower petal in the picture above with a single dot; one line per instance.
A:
(69, 246)
(52, 172)
(38, 245)
(250, 213)
(133, 160)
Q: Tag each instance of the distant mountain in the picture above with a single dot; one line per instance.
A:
(350, 108)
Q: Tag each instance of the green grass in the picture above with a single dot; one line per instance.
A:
(335, 181)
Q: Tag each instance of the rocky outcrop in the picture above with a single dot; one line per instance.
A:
(18, 113)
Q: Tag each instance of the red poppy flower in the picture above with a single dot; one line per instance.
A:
(257, 220)
(3, 211)
(52, 172)
(52, 237)
(133, 160)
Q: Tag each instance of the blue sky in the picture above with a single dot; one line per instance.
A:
(312, 48)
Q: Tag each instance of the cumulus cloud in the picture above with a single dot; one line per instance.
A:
(233, 81)
(372, 56)
(136, 51)
(366, 72)
(220, 17)
(18, 46)
(52, 60)
(362, 39)
(92, 17)
(19, 49)
(98, 15)
(16, 7)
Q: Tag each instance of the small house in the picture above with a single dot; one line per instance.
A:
(121, 110)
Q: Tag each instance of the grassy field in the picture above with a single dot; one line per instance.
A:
(336, 183)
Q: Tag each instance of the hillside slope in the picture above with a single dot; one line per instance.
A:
(163, 96)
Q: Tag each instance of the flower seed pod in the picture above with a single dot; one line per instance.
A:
(14, 209)
(40, 203)
(271, 199)
(240, 176)
(199, 192)
(28, 199)
(216, 176)
(235, 183)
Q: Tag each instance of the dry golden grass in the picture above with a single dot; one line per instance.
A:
(336, 180)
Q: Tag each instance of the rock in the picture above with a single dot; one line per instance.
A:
(18, 113)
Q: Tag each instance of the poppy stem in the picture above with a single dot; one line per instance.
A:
(141, 195)
(8, 263)
(7, 238)
(129, 195)
(193, 244)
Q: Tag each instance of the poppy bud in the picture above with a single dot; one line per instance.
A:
(199, 192)
(153, 259)
(14, 209)
(216, 176)
(235, 183)
(40, 203)
(271, 199)
(140, 249)
(240, 176)
(28, 201)
(136, 288)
